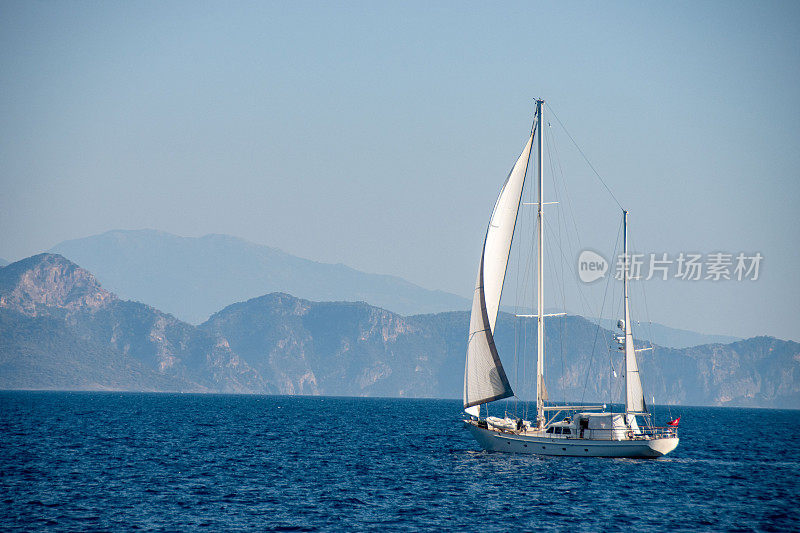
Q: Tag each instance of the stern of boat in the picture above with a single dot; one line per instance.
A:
(663, 446)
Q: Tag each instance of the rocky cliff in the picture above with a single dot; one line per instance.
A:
(61, 329)
(334, 348)
(44, 282)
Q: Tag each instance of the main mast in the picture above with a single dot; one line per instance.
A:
(628, 329)
(540, 390)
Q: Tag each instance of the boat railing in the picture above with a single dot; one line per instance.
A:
(660, 432)
(641, 433)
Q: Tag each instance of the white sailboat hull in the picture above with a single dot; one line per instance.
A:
(497, 441)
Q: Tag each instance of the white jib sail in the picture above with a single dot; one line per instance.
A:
(484, 377)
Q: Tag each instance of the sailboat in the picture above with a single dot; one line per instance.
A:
(590, 430)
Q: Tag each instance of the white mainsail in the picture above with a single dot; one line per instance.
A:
(484, 377)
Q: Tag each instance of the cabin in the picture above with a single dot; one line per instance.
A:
(596, 426)
(605, 426)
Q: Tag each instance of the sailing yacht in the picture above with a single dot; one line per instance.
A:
(589, 430)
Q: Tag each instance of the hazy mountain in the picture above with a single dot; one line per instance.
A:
(59, 329)
(334, 348)
(355, 349)
(195, 277)
(755, 372)
(671, 337)
(192, 278)
(3, 262)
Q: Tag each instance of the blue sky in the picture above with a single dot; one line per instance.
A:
(377, 134)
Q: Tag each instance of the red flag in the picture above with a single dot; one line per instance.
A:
(674, 422)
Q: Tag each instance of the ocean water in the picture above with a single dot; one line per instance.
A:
(125, 461)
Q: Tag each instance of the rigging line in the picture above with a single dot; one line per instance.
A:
(618, 292)
(597, 332)
(584, 302)
(558, 185)
(516, 332)
(523, 276)
(656, 366)
(530, 294)
(518, 281)
(561, 215)
(586, 307)
(516, 398)
(584, 156)
(530, 387)
(562, 281)
(615, 387)
(526, 280)
(641, 289)
(647, 313)
(577, 233)
(522, 281)
(563, 320)
(566, 196)
(524, 373)
(516, 302)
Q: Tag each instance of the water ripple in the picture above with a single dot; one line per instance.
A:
(110, 461)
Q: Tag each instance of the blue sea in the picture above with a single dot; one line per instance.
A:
(84, 461)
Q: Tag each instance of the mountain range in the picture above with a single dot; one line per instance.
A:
(60, 329)
(192, 278)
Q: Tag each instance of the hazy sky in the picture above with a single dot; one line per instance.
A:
(377, 134)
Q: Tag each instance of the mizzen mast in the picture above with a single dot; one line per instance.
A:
(634, 396)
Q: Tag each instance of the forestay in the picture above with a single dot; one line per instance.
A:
(484, 377)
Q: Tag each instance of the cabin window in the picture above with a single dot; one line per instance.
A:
(558, 431)
(549, 430)
(567, 431)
